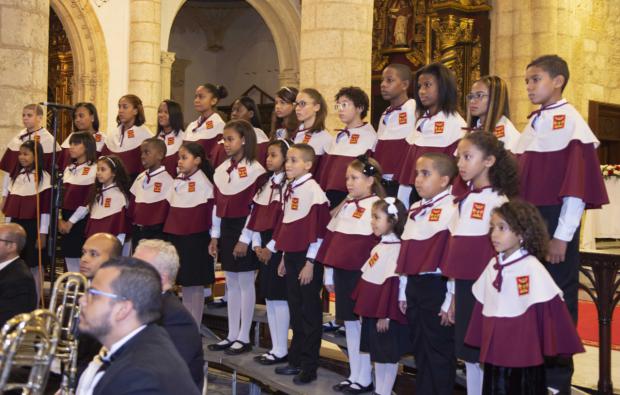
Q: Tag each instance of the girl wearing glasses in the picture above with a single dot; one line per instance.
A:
(284, 122)
(311, 111)
(438, 128)
(489, 111)
(355, 139)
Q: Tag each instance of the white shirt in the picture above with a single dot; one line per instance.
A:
(6, 263)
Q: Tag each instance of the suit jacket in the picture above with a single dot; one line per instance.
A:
(183, 331)
(148, 364)
(18, 293)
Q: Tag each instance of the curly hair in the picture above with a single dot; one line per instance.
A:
(525, 221)
(504, 174)
(398, 220)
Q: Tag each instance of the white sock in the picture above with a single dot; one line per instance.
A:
(359, 364)
(272, 321)
(194, 301)
(379, 374)
(73, 264)
(234, 305)
(283, 318)
(248, 302)
(474, 378)
(404, 191)
(389, 378)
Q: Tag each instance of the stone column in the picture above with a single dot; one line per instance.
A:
(289, 78)
(336, 47)
(145, 56)
(24, 43)
(167, 58)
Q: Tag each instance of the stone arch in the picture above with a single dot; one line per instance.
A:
(90, 55)
(283, 18)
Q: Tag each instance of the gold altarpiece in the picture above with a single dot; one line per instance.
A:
(418, 32)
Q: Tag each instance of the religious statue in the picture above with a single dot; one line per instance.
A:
(400, 12)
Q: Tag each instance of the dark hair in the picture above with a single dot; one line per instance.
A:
(306, 150)
(398, 220)
(136, 103)
(446, 88)
(246, 131)
(158, 144)
(92, 110)
(403, 71)
(89, 143)
(250, 105)
(526, 222)
(175, 117)
(34, 107)
(197, 151)
(219, 91)
(357, 96)
(283, 145)
(552, 64)
(290, 123)
(139, 283)
(321, 115)
(444, 164)
(31, 145)
(503, 175)
(370, 168)
(121, 179)
(498, 103)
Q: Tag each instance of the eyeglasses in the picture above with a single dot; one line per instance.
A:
(8, 241)
(300, 104)
(341, 106)
(95, 291)
(476, 96)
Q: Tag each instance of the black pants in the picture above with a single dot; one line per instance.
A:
(306, 308)
(566, 275)
(514, 381)
(139, 232)
(433, 344)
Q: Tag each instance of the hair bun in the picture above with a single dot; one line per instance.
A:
(222, 92)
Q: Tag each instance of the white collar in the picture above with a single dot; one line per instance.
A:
(6, 263)
(514, 256)
(277, 178)
(160, 169)
(303, 178)
(124, 340)
(390, 238)
(436, 197)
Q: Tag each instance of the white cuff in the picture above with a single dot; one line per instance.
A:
(570, 218)
(447, 302)
(216, 223)
(5, 184)
(450, 286)
(402, 288)
(271, 246)
(328, 278)
(256, 240)
(79, 214)
(313, 249)
(45, 224)
(121, 238)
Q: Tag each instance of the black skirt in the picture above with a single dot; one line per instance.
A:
(345, 282)
(145, 232)
(196, 264)
(386, 347)
(463, 307)
(270, 285)
(71, 243)
(30, 252)
(230, 231)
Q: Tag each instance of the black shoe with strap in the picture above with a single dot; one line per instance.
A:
(219, 347)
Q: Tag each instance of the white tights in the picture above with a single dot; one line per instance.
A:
(475, 375)
(194, 301)
(385, 376)
(359, 363)
(241, 299)
(278, 317)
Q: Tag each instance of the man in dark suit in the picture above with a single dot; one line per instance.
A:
(17, 289)
(120, 309)
(175, 318)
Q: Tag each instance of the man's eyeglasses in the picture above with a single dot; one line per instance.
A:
(476, 96)
(95, 291)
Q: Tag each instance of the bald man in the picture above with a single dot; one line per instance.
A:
(97, 249)
(18, 292)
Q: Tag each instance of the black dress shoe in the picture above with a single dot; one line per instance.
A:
(245, 347)
(357, 388)
(217, 303)
(287, 370)
(304, 377)
(342, 385)
(219, 347)
(273, 360)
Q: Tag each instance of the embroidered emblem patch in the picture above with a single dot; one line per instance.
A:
(523, 285)
(354, 139)
(295, 203)
(107, 202)
(477, 211)
(559, 121)
(191, 187)
(439, 127)
(373, 259)
(307, 138)
(157, 187)
(85, 171)
(359, 212)
(499, 131)
(130, 134)
(434, 215)
(170, 140)
(209, 125)
(243, 172)
(402, 118)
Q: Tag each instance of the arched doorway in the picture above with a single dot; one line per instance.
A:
(89, 54)
(59, 75)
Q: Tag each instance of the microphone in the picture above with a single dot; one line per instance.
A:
(57, 105)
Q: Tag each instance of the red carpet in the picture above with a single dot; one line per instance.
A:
(588, 325)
